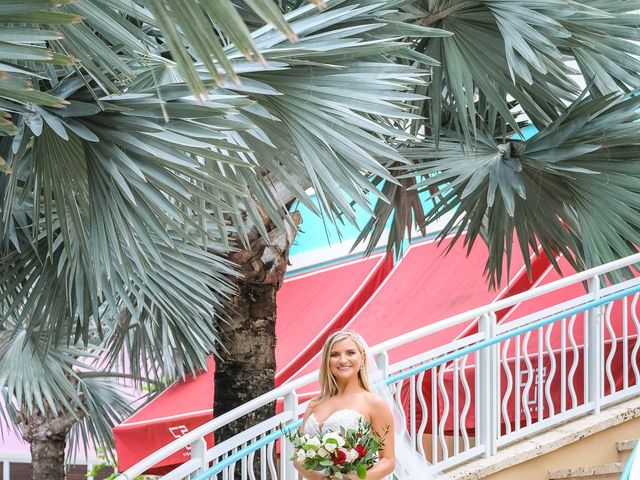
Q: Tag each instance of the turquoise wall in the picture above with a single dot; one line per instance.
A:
(313, 234)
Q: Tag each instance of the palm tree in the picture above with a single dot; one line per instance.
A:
(150, 167)
(129, 180)
(57, 396)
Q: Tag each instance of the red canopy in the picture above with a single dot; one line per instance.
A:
(316, 303)
(426, 286)
(309, 307)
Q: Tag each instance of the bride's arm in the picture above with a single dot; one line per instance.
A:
(381, 422)
(308, 474)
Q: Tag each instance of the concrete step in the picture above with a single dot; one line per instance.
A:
(626, 446)
(608, 471)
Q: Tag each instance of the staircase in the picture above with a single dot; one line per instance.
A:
(574, 356)
(607, 471)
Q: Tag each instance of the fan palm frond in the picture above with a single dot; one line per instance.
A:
(572, 188)
(524, 51)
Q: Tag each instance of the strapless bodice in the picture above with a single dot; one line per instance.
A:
(344, 417)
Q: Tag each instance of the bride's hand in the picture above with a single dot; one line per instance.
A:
(308, 474)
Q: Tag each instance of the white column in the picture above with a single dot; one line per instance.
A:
(287, 470)
(594, 345)
(487, 395)
(198, 450)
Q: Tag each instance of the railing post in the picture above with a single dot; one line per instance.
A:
(287, 470)
(6, 469)
(382, 362)
(487, 388)
(594, 347)
(198, 450)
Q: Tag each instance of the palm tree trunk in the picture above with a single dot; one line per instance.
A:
(249, 366)
(247, 369)
(47, 458)
(47, 436)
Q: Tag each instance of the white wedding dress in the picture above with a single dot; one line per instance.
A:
(344, 417)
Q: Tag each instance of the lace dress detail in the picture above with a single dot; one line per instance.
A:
(345, 417)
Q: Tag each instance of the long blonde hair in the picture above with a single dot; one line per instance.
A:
(328, 384)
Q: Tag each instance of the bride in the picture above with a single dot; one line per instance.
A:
(345, 398)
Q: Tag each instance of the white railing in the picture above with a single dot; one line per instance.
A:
(473, 394)
(21, 458)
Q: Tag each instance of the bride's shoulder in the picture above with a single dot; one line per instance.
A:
(377, 410)
(310, 407)
(374, 401)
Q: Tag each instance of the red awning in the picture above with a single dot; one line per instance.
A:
(309, 307)
(183, 406)
(426, 286)
(312, 305)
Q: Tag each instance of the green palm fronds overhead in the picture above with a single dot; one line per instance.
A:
(134, 183)
(143, 143)
(550, 64)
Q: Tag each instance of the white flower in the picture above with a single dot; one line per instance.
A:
(352, 454)
(330, 447)
(314, 442)
(301, 455)
(335, 436)
(311, 453)
(322, 453)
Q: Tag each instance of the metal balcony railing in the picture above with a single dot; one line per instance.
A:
(575, 351)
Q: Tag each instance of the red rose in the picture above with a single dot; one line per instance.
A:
(361, 450)
(358, 435)
(339, 457)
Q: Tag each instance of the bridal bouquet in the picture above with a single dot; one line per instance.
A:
(338, 453)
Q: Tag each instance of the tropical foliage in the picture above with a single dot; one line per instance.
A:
(127, 184)
(144, 142)
(59, 394)
(572, 187)
(133, 189)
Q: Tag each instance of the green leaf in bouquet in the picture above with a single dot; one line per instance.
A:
(362, 471)
(338, 475)
(374, 444)
(326, 462)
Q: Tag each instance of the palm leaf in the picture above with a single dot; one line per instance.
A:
(521, 50)
(562, 190)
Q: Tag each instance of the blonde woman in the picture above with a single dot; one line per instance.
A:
(345, 398)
